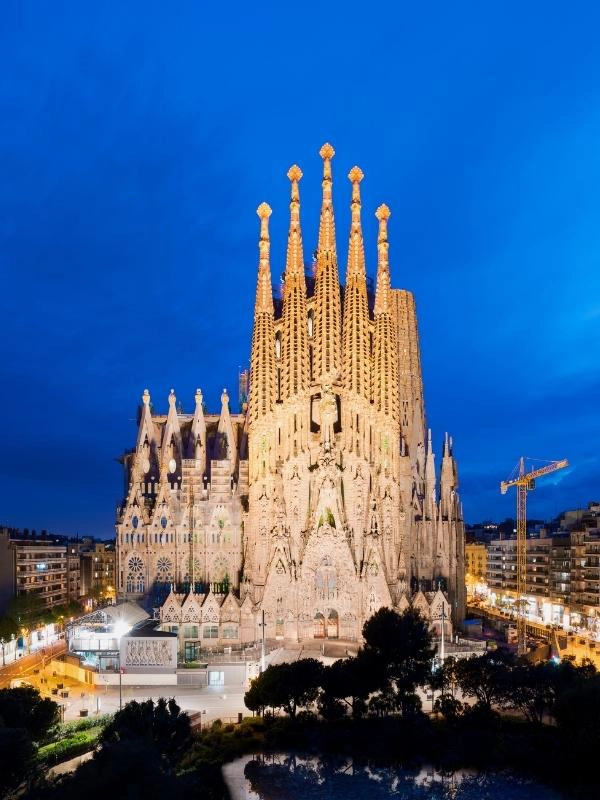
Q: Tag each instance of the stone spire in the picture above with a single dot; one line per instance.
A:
(294, 340)
(145, 461)
(410, 381)
(385, 353)
(448, 481)
(225, 430)
(171, 442)
(355, 325)
(262, 358)
(197, 443)
(327, 356)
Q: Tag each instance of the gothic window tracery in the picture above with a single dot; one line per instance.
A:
(164, 569)
(192, 572)
(220, 569)
(135, 575)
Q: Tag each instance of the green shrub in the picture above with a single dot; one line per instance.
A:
(64, 749)
(65, 730)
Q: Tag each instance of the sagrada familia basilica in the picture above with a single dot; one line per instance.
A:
(320, 502)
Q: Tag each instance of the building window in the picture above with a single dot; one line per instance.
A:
(135, 575)
(164, 569)
(216, 678)
(210, 632)
(230, 632)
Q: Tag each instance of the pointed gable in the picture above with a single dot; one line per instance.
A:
(403, 603)
(191, 610)
(419, 602)
(439, 602)
(211, 608)
(247, 607)
(170, 611)
(230, 609)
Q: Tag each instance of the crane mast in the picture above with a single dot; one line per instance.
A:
(525, 482)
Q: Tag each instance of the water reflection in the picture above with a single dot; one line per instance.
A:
(283, 776)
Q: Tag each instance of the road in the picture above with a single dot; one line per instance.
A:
(25, 666)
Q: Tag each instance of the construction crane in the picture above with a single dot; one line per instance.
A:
(525, 482)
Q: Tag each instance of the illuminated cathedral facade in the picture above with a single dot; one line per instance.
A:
(320, 503)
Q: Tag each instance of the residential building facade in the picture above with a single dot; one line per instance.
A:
(34, 568)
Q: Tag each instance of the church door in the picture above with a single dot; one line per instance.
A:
(319, 626)
(332, 624)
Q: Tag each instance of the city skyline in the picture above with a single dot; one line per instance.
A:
(128, 240)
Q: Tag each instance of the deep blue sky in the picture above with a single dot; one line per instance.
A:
(136, 141)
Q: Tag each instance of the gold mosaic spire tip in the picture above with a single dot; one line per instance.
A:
(356, 175)
(264, 211)
(294, 173)
(327, 151)
(383, 212)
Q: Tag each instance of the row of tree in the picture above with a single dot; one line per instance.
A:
(397, 659)
(394, 661)
(30, 611)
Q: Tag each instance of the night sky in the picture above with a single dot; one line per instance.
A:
(137, 140)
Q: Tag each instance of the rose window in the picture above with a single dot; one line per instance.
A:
(220, 569)
(135, 575)
(193, 570)
(164, 569)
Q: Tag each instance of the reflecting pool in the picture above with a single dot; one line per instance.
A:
(284, 776)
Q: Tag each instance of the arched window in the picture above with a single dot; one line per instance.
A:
(135, 575)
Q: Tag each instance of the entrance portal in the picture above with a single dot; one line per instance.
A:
(333, 627)
(326, 627)
(320, 630)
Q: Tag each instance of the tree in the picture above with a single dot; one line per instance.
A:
(18, 758)
(300, 684)
(27, 610)
(531, 688)
(24, 708)
(265, 690)
(287, 686)
(400, 644)
(351, 680)
(161, 725)
(125, 769)
(449, 676)
(577, 712)
(8, 628)
(485, 678)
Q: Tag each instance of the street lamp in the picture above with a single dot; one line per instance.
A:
(262, 645)
(442, 618)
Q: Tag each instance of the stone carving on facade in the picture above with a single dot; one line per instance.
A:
(148, 653)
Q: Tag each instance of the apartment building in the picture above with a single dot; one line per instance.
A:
(98, 571)
(32, 567)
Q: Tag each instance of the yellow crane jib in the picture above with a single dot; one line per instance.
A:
(525, 482)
